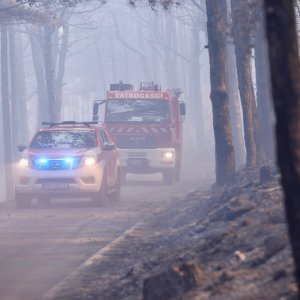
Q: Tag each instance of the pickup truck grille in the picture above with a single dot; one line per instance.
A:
(55, 164)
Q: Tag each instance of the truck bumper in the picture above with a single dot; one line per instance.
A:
(79, 182)
(146, 161)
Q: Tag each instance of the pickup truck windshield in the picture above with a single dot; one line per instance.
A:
(64, 139)
(137, 110)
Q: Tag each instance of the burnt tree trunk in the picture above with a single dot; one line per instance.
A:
(285, 74)
(264, 107)
(242, 44)
(234, 102)
(224, 150)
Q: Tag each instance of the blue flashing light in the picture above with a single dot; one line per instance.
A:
(42, 161)
(65, 163)
(69, 160)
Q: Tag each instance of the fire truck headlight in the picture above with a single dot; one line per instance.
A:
(89, 161)
(24, 163)
(168, 155)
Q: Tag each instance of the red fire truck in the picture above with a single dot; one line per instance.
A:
(146, 125)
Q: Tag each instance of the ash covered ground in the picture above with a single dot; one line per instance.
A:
(224, 243)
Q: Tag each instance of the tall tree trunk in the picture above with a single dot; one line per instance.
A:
(18, 92)
(62, 54)
(22, 115)
(264, 108)
(234, 104)
(6, 115)
(43, 110)
(14, 86)
(224, 151)
(195, 85)
(102, 86)
(170, 57)
(50, 71)
(243, 61)
(285, 74)
(144, 66)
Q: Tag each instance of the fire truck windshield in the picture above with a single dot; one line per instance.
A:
(138, 110)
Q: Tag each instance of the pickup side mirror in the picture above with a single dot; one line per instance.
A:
(22, 147)
(108, 146)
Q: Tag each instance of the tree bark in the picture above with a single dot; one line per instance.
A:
(6, 115)
(195, 84)
(14, 86)
(50, 71)
(62, 54)
(22, 114)
(235, 104)
(243, 57)
(224, 151)
(43, 110)
(263, 94)
(285, 74)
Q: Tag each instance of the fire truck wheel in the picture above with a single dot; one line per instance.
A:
(169, 177)
(177, 174)
(100, 198)
(115, 195)
(22, 201)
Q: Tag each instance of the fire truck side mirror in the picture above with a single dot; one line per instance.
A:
(96, 105)
(182, 108)
(95, 112)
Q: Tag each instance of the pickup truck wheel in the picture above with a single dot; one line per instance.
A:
(169, 177)
(100, 198)
(115, 195)
(22, 201)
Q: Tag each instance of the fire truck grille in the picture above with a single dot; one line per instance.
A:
(137, 142)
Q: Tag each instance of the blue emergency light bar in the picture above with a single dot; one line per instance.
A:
(66, 163)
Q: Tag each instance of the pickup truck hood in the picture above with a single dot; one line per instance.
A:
(54, 153)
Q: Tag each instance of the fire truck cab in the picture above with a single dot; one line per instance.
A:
(146, 125)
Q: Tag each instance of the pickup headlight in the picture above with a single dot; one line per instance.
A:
(89, 161)
(24, 162)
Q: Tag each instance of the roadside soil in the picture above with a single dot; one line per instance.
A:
(225, 243)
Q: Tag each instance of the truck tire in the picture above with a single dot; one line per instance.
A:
(22, 201)
(100, 198)
(177, 174)
(177, 170)
(169, 176)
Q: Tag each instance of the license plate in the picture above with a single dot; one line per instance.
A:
(56, 186)
(137, 162)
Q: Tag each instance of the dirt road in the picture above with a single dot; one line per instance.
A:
(39, 247)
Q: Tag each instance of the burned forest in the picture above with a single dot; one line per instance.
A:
(150, 149)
